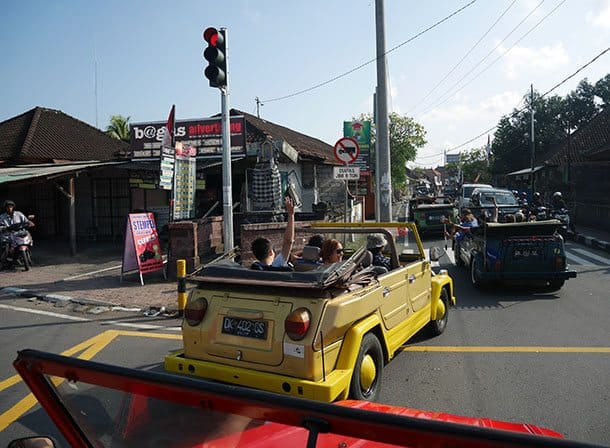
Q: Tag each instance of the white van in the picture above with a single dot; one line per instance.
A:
(466, 191)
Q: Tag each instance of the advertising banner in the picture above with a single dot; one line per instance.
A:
(205, 135)
(142, 249)
(361, 132)
(185, 182)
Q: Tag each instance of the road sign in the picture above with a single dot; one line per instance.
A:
(346, 150)
(346, 172)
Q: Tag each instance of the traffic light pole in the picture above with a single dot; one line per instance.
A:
(227, 189)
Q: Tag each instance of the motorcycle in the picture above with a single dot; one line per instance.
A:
(15, 246)
(563, 216)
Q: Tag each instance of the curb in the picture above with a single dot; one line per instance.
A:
(64, 300)
(590, 241)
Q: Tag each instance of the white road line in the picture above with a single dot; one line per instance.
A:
(44, 313)
(141, 326)
(592, 255)
(572, 257)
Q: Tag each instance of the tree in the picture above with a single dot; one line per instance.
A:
(602, 89)
(474, 166)
(406, 137)
(119, 128)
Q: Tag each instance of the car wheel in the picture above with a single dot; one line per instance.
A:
(475, 273)
(436, 327)
(456, 253)
(555, 285)
(366, 377)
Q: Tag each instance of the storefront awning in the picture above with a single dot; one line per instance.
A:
(47, 171)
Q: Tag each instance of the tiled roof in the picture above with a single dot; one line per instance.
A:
(308, 147)
(47, 135)
(589, 142)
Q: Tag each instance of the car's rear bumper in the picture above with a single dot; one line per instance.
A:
(542, 276)
(335, 385)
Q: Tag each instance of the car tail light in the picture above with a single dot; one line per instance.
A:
(560, 262)
(297, 323)
(195, 310)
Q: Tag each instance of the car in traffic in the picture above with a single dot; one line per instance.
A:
(429, 215)
(482, 202)
(465, 192)
(323, 334)
(101, 405)
(526, 253)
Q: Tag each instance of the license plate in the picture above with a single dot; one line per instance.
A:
(432, 219)
(526, 253)
(248, 328)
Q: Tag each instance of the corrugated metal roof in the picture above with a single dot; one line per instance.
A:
(24, 172)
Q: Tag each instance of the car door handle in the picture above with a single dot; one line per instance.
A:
(386, 291)
(411, 278)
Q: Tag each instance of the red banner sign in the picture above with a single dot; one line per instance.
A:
(142, 250)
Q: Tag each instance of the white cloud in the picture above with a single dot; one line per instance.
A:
(602, 18)
(523, 59)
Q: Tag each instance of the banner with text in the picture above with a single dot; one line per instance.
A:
(361, 132)
(185, 182)
(142, 250)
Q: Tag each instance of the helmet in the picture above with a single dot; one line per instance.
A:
(515, 193)
(557, 194)
(8, 202)
(537, 195)
(523, 194)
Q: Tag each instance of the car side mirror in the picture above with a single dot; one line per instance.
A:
(32, 442)
(435, 253)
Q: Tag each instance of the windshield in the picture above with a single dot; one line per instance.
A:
(502, 198)
(468, 191)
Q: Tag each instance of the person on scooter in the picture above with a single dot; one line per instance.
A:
(12, 216)
(557, 202)
(537, 201)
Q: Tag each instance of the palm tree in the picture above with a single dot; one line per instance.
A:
(119, 128)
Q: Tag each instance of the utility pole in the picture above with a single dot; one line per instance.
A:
(532, 182)
(258, 104)
(383, 132)
(377, 175)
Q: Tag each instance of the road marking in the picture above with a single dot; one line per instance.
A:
(592, 255)
(45, 313)
(508, 349)
(577, 259)
(141, 326)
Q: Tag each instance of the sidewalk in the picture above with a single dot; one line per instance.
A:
(51, 279)
(598, 239)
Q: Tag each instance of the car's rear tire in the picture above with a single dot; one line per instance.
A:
(436, 327)
(475, 273)
(555, 285)
(366, 377)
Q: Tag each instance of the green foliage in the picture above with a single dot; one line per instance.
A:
(406, 137)
(119, 128)
(474, 166)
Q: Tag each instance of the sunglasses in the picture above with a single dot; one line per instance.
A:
(339, 251)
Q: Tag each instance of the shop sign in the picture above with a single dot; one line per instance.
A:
(360, 131)
(142, 249)
(185, 179)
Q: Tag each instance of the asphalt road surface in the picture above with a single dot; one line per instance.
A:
(508, 353)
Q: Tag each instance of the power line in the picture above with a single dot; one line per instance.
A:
(463, 58)
(481, 61)
(566, 79)
(502, 55)
(342, 75)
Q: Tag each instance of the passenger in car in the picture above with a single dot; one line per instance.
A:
(375, 243)
(266, 258)
(331, 251)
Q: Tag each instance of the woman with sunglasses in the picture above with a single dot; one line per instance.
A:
(331, 251)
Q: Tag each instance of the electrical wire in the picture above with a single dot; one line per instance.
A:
(364, 64)
(566, 79)
(479, 63)
(462, 59)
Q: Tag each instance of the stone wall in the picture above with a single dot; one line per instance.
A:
(274, 231)
(192, 241)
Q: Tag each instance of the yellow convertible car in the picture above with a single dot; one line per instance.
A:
(324, 333)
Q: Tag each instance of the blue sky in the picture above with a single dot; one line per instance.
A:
(149, 56)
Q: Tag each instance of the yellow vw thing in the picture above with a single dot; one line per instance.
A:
(324, 333)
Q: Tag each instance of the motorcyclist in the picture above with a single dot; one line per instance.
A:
(12, 216)
(537, 200)
(557, 202)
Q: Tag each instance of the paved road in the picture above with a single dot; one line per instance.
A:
(508, 353)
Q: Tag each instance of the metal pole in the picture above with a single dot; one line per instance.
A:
(227, 189)
(72, 217)
(383, 133)
(377, 176)
(532, 183)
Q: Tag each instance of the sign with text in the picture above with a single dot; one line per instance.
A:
(185, 182)
(142, 249)
(205, 135)
(360, 130)
(346, 172)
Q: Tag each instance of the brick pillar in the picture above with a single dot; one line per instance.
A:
(183, 245)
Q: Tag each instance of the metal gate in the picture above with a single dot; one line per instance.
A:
(111, 203)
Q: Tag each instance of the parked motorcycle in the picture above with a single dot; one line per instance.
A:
(15, 246)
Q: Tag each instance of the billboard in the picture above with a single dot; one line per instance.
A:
(361, 132)
(205, 135)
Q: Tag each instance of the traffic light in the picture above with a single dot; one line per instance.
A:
(216, 56)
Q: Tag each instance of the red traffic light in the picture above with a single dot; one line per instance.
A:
(211, 36)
